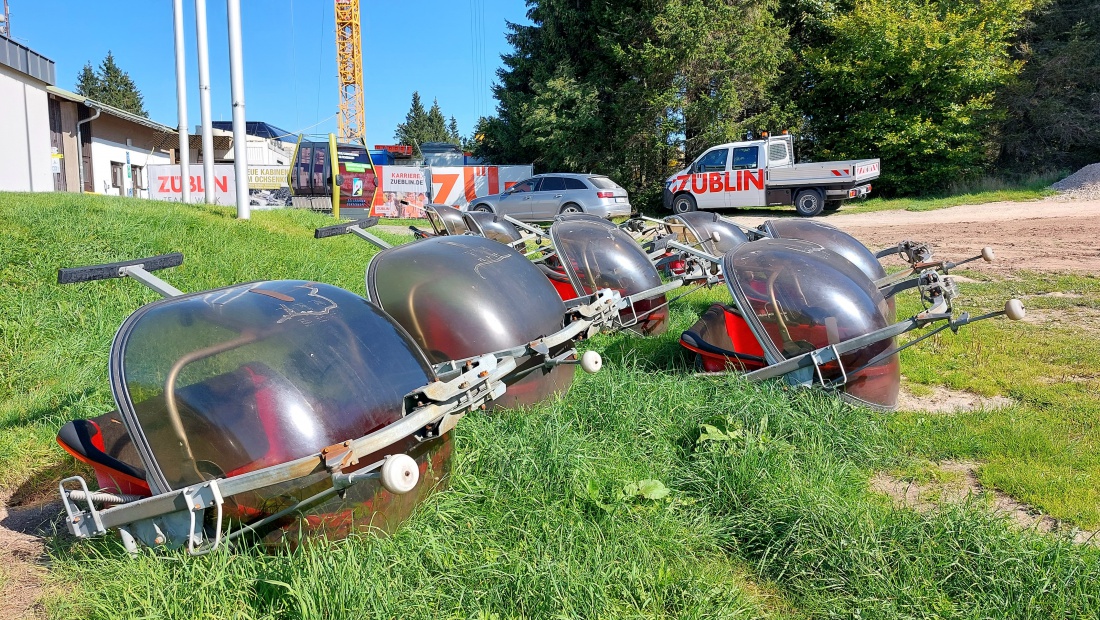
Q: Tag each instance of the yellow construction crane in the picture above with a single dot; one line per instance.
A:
(351, 120)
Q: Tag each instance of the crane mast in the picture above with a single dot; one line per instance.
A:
(349, 63)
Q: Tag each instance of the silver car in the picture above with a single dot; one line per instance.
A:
(544, 196)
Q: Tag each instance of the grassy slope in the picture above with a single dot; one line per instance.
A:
(775, 518)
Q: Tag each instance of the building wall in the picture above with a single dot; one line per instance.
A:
(106, 152)
(70, 163)
(25, 156)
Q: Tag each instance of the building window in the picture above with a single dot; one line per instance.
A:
(135, 173)
(117, 175)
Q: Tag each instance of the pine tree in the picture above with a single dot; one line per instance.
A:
(431, 126)
(88, 84)
(111, 85)
(452, 132)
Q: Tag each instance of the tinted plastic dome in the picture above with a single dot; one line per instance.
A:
(836, 240)
(464, 296)
(229, 381)
(492, 227)
(798, 296)
(829, 237)
(596, 255)
(699, 227)
(446, 220)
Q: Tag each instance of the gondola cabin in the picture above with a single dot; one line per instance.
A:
(346, 188)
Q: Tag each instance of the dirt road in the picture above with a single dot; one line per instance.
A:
(1042, 235)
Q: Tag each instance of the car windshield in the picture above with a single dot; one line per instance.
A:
(603, 183)
(221, 383)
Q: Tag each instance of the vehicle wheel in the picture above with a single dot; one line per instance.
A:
(571, 208)
(809, 202)
(684, 203)
(482, 208)
(832, 205)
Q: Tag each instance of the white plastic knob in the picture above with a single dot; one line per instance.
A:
(717, 236)
(591, 362)
(987, 254)
(399, 473)
(1014, 309)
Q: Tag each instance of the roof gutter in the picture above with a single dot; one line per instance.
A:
(80, 139)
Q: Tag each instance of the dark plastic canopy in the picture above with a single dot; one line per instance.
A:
(461, 296)
(492, 226)
(229, 381)
(446, 220)
(836, 240)
(798, 296)
(829, 237)
(596, 255)
(699, 227)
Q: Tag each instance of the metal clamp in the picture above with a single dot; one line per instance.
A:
(198, 498)
(77, 521)
(823, 356)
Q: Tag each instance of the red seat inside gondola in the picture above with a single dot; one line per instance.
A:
(723, 340)
(240, 421)
(560, 281)
(104, 444)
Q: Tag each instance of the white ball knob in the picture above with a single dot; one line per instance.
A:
(987, 254)
(591, 362)
(399, 473)
(1014, 309)
(717, 236)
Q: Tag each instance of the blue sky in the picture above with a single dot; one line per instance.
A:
(445, 50)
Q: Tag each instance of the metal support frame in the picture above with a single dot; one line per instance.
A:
(236, 86)
(175, 518)
(203, 49)
(181, 102)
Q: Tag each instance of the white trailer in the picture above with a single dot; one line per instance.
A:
(758, 173)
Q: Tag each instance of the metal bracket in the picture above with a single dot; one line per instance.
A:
(78, 519)
(823, 356)
(198, 498)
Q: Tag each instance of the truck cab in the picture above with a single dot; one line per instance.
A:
(758, 173)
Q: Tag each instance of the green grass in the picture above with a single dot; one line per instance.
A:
(768, 514)
(1044, 450)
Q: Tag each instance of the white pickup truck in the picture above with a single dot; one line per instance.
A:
(758, 173)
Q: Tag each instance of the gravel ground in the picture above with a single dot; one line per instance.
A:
(1081, 185)
(1052, 234)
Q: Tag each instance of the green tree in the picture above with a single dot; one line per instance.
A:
(112, 86)
(911, 81)
(1053, 107)
(632, 88)
(422, 126)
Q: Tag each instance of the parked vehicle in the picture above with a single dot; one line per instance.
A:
(758, 173)
(545, 196)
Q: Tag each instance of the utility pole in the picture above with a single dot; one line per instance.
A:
(236, 79)
(181, 102)
(204, 102)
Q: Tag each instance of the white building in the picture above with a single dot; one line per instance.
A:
(26, 161)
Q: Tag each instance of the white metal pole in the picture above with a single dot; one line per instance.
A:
(181, 102)
(236, 81)
(204, 102)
